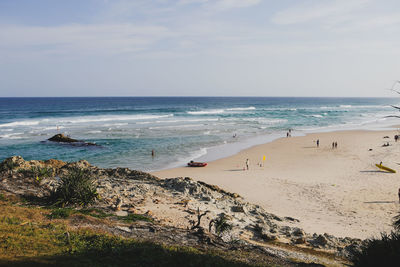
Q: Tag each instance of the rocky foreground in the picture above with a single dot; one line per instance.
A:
(181, 210)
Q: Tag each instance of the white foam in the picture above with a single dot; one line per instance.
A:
(11, 136)
(317, 116)
(19, 123)
(197, 154)
(114, 124)
(239, 109)
(52, 128)
(177, 126)
(267, 121)
(203, 112)
(114, 118)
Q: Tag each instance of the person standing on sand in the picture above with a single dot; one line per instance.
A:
(317, 142)
(399, 195)
(247, 164)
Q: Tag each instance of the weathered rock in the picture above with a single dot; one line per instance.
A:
(320, 241)
(149, 213)
(82, 164)
(118, 204)
(61, 138)
(139, 192)
(123, 228)
(291, 219)
(121, 213)
(299, 240)
(237, 209)
(12, 162)
(298, 232)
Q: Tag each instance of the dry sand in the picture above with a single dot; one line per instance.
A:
(336, 191)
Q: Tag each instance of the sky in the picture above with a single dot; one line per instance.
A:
(336, 48)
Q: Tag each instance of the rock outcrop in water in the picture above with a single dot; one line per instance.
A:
(61, 138)
(176, 203)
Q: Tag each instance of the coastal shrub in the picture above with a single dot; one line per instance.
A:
(42, 172)
(220, 224)
(396, 222)
(8, 165)
(384, 251)
(37, 172)
(76, 188)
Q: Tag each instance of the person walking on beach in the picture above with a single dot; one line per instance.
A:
(247, 164)
(317, 142)
(399, 195)
(335, 144)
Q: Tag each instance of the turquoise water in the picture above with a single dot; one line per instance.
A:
(179, 129)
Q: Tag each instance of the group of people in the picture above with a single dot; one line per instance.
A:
(334, 145)
(289, 133)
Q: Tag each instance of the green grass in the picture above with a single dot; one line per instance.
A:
(29, 237)
(95, 213)
(135, 217)
(63, 213)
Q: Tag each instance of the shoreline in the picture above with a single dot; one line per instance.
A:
(330, 190)
(221, 151)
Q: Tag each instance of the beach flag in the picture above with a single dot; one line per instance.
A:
(264, 157)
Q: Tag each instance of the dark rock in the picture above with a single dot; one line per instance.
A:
(206, 198)
(320, 241)
(298, 232)
(61, 138)
(291, 219)
(299, 240)
(237, 209)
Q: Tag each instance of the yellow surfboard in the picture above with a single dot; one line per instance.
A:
(380, 166)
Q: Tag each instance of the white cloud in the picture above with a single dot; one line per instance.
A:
(89, 39)
(312, 10)
(222, 4)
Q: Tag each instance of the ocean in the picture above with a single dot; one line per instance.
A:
(178, 129)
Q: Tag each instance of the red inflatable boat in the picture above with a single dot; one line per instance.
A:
(197, 164)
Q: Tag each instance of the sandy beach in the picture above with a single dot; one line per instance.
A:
(337, 191)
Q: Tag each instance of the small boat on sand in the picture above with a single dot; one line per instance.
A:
(197, 164)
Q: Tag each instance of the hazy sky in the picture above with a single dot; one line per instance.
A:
(199, 47)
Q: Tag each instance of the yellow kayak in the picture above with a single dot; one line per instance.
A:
(380, 166)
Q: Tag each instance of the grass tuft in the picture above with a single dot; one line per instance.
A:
(76, 188)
